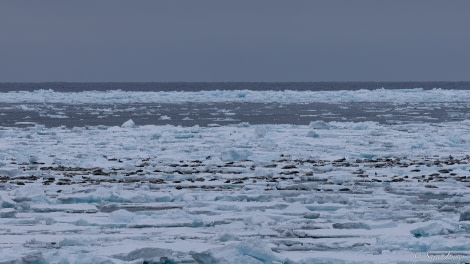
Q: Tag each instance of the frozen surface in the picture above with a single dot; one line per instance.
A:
(328, 192)
(416, 95)
(229, 107)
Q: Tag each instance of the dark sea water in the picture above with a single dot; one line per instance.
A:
(206, 114)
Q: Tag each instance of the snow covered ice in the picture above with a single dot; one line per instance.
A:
(415, 95)
(327, 192)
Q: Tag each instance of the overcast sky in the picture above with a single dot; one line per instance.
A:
(239, 40)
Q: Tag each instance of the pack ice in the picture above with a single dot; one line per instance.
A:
(328, 192)
(416, 95)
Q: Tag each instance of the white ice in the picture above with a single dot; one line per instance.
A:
(417, 95)
(328, 192)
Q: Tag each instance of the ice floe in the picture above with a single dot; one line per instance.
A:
(328, 192)
(287, 96)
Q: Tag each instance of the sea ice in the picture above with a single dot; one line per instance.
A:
(235, 155)
(398, 96)
(361, 192)
(6, 201)
(431, 229)
(164, 117)
(252, 251)
(465, 215)
(319, 125)
(128, 124)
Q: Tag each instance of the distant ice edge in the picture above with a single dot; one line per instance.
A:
(417, 95)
